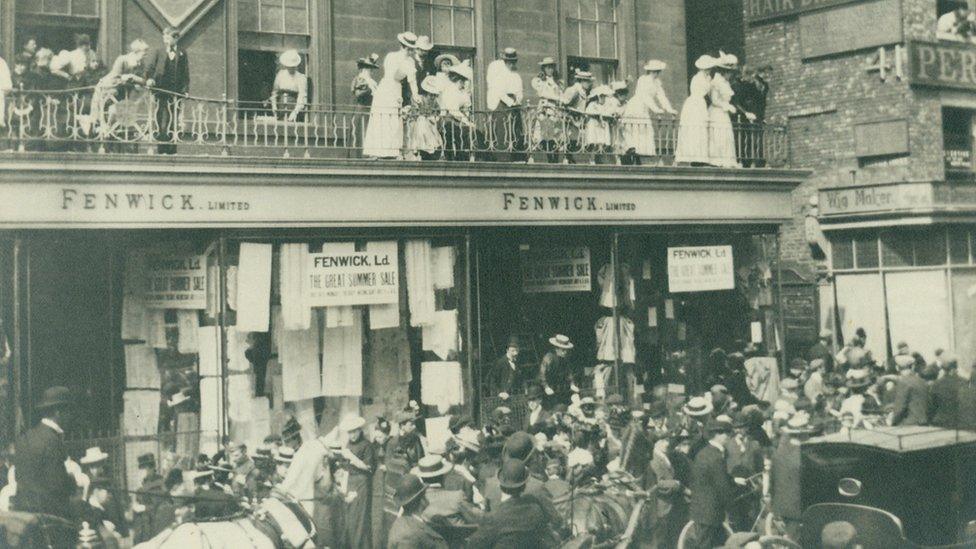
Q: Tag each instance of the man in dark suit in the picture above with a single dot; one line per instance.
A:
(169, 73)
(506, 378)
(944, 395)
(520, 520)
(712, 487)
(750, 91)
(520, 446)
(411, 530)
(43, 482)
(537, 419)
(911, 395)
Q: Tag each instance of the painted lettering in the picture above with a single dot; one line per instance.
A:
(507, 197)
(67, 195)
(89, 201)
(926, 60)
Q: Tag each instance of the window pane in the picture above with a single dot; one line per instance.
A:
(608, 41)
(465, 3)
(605, 9)
(572, 38)
(896, 249)
(85, 7)
(296, 20)
(866, 250)
(303, 4)
(247, 16)
(441, 2)
(271, 18)
(958, 245)
(56, 6)
(842, 253)
(442, 27)
(587, 9)
(421, 19)
(464, 28)
(588, 40)
(930, 247)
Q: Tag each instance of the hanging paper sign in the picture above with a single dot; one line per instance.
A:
(700, 268)
(559, 269)
(354, 278)
(176, 282)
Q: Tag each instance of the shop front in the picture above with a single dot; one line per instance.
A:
(189, 302)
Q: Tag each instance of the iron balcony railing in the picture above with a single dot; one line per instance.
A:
(136, 119)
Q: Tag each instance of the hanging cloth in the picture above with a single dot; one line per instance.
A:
(236, 347)
(208, 338)
(188, 326)
(211, 406)
(240, 393)
(293, 272)
(342, 359)
(441, 335)
(156, 329)
(341, 316)
(134, 324)
(386, 315)
(441, 384)
(298, 352)
(141, 371)
(606, 337)
(254, 287)
(420, 282)
(444, 258)
(140, 412)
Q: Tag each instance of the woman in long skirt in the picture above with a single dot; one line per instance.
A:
(360, 453)
(384, 132)
(721, 139)
(649, 99)
(692, 145)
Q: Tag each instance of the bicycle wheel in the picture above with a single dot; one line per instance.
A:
(686, 538)
(774, 526)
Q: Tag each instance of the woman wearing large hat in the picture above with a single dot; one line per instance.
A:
(721, 139)
(547, 127)
(363, 85)
(455, 102)
(289, 95)
(360, 454)
(649, 100)
(384, 132)
(556, 374)
(692, 147)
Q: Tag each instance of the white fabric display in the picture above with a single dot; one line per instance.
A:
(298, 352)
(156, 328)
(254, 287)
(141, 412)
(236, 349)
(606, 337)
(918, 310)
(388, 315)
(232, 287)
(188, 326)
(342, 359)
(762, 377)
(444, 258)
(208, 339)
(293, 270)
(601, 376)
(862, 305)
(441, 335)
(141, 371)
(239, 396)
(608, 297)
(211, 404)
(305, 416)
(420, 282)
(441, 384)
(339, 317)
(134, 325)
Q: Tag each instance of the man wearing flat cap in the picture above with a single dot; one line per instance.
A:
(712, 487)
(43, 482)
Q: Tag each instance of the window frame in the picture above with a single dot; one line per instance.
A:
(579, 21)
(284, 32)
(453, 9)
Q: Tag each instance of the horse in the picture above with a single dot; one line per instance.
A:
(278, 522)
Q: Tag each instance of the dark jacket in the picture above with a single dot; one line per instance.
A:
(944, 401)
(911, 401)
(43, 484)
(176, 78)
(504, 379)
(516, 523)
(784, 478)
(493, 492)
(743, 462)
(411, 532)
(711, 487)
(541, 423)
(966, 402)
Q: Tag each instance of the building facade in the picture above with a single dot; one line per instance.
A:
(880, 110)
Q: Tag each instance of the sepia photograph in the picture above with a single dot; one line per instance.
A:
(488, 274)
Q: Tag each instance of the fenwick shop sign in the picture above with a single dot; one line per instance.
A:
(942, 65)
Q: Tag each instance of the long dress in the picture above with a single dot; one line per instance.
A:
(357, 512)
(693, 122)
(637, 123)
(547, 127)
(721, 140)
(384, 131)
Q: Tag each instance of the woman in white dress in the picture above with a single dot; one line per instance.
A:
(721, 139)
(692, 145)
(649, 99)
(384, 131)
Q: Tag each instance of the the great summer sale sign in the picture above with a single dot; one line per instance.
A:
(355, 278)
(700, 269)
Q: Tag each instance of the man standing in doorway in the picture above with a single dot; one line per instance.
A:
(169, 73)
(506, 378)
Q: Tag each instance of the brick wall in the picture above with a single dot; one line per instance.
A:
(823, 99)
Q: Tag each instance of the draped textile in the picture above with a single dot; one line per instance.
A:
(342, 359)
(298, 352)
(420, 282)
(293, 273)
(254, 287)
(187, 325)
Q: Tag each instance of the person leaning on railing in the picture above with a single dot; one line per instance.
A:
(547, 124)
(455, 102)
(505, 95)
(290, 90)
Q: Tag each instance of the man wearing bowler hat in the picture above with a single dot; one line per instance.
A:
(410, 530)
(43, 482)
(520, 520)
(506, 376)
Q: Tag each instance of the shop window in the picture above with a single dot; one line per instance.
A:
(592, 37)
(959, 252)
(896, 249)
(842, 253)
(930, 247)
(957, 140)
(449, 23)
(866, 251)
(54, 23)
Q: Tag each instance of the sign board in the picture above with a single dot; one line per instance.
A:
(959, 159)
(800, 312)
(700, 269)
(875, 198)
(176, 282)
(844, 29)
(765, 10)
(887, 137)
(354, 278)
(548, 269)
(942, 65)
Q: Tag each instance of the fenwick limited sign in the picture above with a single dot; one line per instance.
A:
(942, 65)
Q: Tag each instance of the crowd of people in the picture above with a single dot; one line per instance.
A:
(506, 482)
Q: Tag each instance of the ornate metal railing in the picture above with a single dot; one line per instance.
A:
(137, 119)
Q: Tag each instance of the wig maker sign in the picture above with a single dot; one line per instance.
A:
(354, 278)
(700, 268)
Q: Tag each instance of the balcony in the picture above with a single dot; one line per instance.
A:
(92, 120)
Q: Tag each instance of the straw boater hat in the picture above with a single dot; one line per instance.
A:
(464, 70)
(290, 59)
(468, 439)
(424, 43)
(370, 62)
(655, 65)
(284, 454)
(583, 75)
(697, 407)
(431, 466)
(798, 424)
(705, 62)
(430, 85)
(560, 342)
(509, 54)
(352, 423)
(790, 384)
(407, 38)
(446, 57)
(93, 455)
(858, 377)
(408, 489)
(547, 61)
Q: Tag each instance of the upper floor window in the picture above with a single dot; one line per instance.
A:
(449, 23)
(956, 21)
(55, 24)
(957, 141)
(592, 37)
(266, 28)
(76, 8)
(273, 16)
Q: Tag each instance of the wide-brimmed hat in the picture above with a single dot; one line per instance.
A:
(430, 85)
(463, 70)
(285, 454)
(799, 423)
(54, 397)
(93, 455)
(619, 86)
(655, 65)
(519, 445)
(468, 439)
(423, 43)
(290, 59)
(351, 423)
(600, 91)
(372, 61)
(705, 62)
(509, 54)
(583, 75)
(858, 377)
(446, 57)
(547, 61)
(513, 474)
(904, 361)
(407, 38)
(789, 383)
(561, 342)
(146, 461)
(727, 61)
(408, 489)
(697, 407)
(431, 466)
